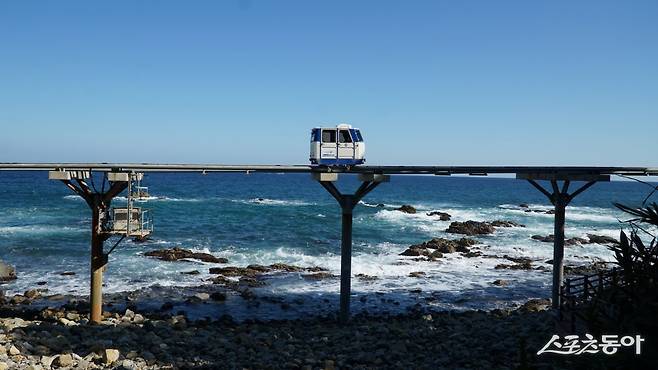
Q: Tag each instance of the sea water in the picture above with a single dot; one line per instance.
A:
(289, 218)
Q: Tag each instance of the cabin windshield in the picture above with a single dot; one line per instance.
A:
(344, 136)
(328, 136)
(315, 135)
(358, 135)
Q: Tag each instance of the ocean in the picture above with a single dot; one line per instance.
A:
(289, 218)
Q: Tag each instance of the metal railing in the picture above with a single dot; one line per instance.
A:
(580, 290)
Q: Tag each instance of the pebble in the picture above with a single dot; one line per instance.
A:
(64, 360)
(14, 351)
(46, 361)
(202, 296)
(158, 340)
(110, 356)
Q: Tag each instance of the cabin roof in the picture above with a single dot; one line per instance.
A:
(342, 125)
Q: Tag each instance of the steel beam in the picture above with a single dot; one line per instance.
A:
(550, 172)
(347, 203)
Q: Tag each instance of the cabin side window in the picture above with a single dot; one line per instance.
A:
(359, 138)
(344, 136)
(328, 136)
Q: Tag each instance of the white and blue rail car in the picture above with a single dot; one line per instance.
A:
(337, 146)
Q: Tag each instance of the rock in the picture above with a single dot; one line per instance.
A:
(364, 277)
(110, 356)
(415, 251)
(7, 272)
(202, 296)
(14, 351)
(319, 276)
(18, 299)
(470, 228)
(500, 282)
(503, 223)
(129, 314)
(471, 254)
(440, 245)
(442, 215)
(66, 322)
(63, 360)
(4, 366)
(546, 239)
(46, 361)
(524, 205)
(42, 282)
(128, 365)
(575, 241)
(67, 273)
(177, 254)
(12, 323)
(585, 269)
(257, 270)
(535, 305)
(407, 209)
(416, 274)
(601, 239)
(218, 296)
(32, 294)
(193, 272)
(381, 205)
(526, 265)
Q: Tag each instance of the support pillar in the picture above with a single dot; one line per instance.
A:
(347, 203)
(99, 203)
(560, 198)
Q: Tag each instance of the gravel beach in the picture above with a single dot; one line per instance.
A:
(61, 337)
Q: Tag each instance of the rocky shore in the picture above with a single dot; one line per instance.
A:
(53, 332)
(63, 338)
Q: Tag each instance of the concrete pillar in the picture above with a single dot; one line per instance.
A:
(97, 263)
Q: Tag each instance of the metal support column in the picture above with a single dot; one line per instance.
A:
(560, 198)
(99, 203)
(347, 203)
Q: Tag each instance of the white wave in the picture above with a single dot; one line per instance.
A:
(273, 202)
(39, 229)
(162, 198)
(371, 205)
(577, 213)
(159, 198)
(73, 197)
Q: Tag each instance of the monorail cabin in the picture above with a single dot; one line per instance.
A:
(337, 146)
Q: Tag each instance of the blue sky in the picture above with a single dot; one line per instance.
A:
(436, 82)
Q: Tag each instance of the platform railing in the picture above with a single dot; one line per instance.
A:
(580, 290)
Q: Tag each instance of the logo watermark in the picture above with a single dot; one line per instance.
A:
(575, 345)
